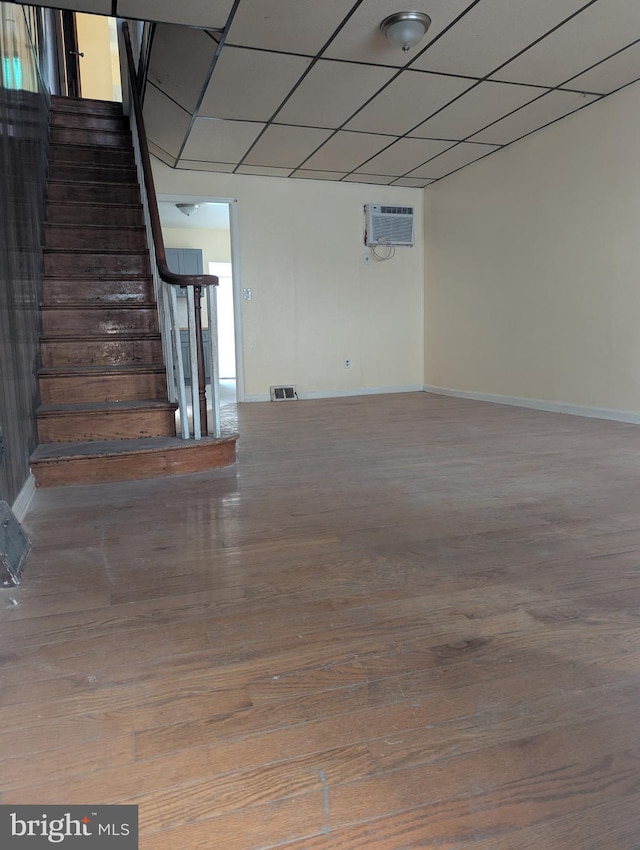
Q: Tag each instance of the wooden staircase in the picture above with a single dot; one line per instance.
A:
(104, 414)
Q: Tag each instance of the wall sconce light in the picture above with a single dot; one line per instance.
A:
(406, 29)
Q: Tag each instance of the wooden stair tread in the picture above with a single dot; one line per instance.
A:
(93, 183)
(94, 227)
(109, 369)
(124, 131)
(97, 306)
(56, 146)
(85, 166)
(105, 276)
(128, 336)
(105, 407)
(60, 101)
(111, 205)
(110, 251)
(119, 139)
(106, 448)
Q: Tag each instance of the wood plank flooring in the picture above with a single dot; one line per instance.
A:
(398, 622)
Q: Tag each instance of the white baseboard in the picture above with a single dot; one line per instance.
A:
(24, 497)
(413, 388)
(539, 404)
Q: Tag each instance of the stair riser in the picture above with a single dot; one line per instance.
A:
(92, 173)
(79, 214)
(86, 265)
(61, 290)
(84, 121)
(90, 155)
(115, 425)
(86, 106)
(191, 458)
(100, 353)
(71, 389)
(103, 321)
(88, 193)
(73, 136)
(74, 238)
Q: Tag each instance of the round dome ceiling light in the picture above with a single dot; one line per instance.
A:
(406, 29)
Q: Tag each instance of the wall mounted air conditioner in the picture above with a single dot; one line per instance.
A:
(388, 225)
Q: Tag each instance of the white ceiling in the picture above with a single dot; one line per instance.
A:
(311, 88)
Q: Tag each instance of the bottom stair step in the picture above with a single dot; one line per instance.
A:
(126, 460)
(114, 420)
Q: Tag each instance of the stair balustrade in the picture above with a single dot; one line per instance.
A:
(168, 282)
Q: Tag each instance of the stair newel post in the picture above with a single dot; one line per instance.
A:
(202, 381)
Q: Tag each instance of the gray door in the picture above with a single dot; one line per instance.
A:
(185, 260)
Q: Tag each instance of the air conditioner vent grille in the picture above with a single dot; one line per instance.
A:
(387, 225)
(396, 210)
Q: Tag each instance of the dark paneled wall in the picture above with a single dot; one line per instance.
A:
(24, 106)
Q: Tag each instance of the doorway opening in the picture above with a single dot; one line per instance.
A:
(203, 241)
(97, 56)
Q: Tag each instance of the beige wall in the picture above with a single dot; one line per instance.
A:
(315, 302)
(533, 265)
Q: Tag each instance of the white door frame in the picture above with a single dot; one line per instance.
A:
(235, 273)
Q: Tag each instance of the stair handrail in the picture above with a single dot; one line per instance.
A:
(197, 281)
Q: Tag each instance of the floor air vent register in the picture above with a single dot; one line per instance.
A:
(284, 393)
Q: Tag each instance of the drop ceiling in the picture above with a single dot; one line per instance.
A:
(310, 88)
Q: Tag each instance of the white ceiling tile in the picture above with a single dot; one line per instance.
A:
(403, 155)
(263, 170)
(154, 150)
(220, 141)
(286, 147)
(411, 98)
(166, 123)
(308, 174)
(195, 165)
(182, 81)
(412, 182)
(594, 34)
(346, 151)
(548, 108)
(368, 178)
(194, 13)
(294, 26)
(361, 40)
(476, 108)
(331, 93)
(491, 33)
(611, 74)
(250, 84)
(454, 158)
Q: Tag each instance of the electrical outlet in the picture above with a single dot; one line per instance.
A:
(347, 363)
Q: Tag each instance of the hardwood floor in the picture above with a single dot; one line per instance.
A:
(398, 622)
